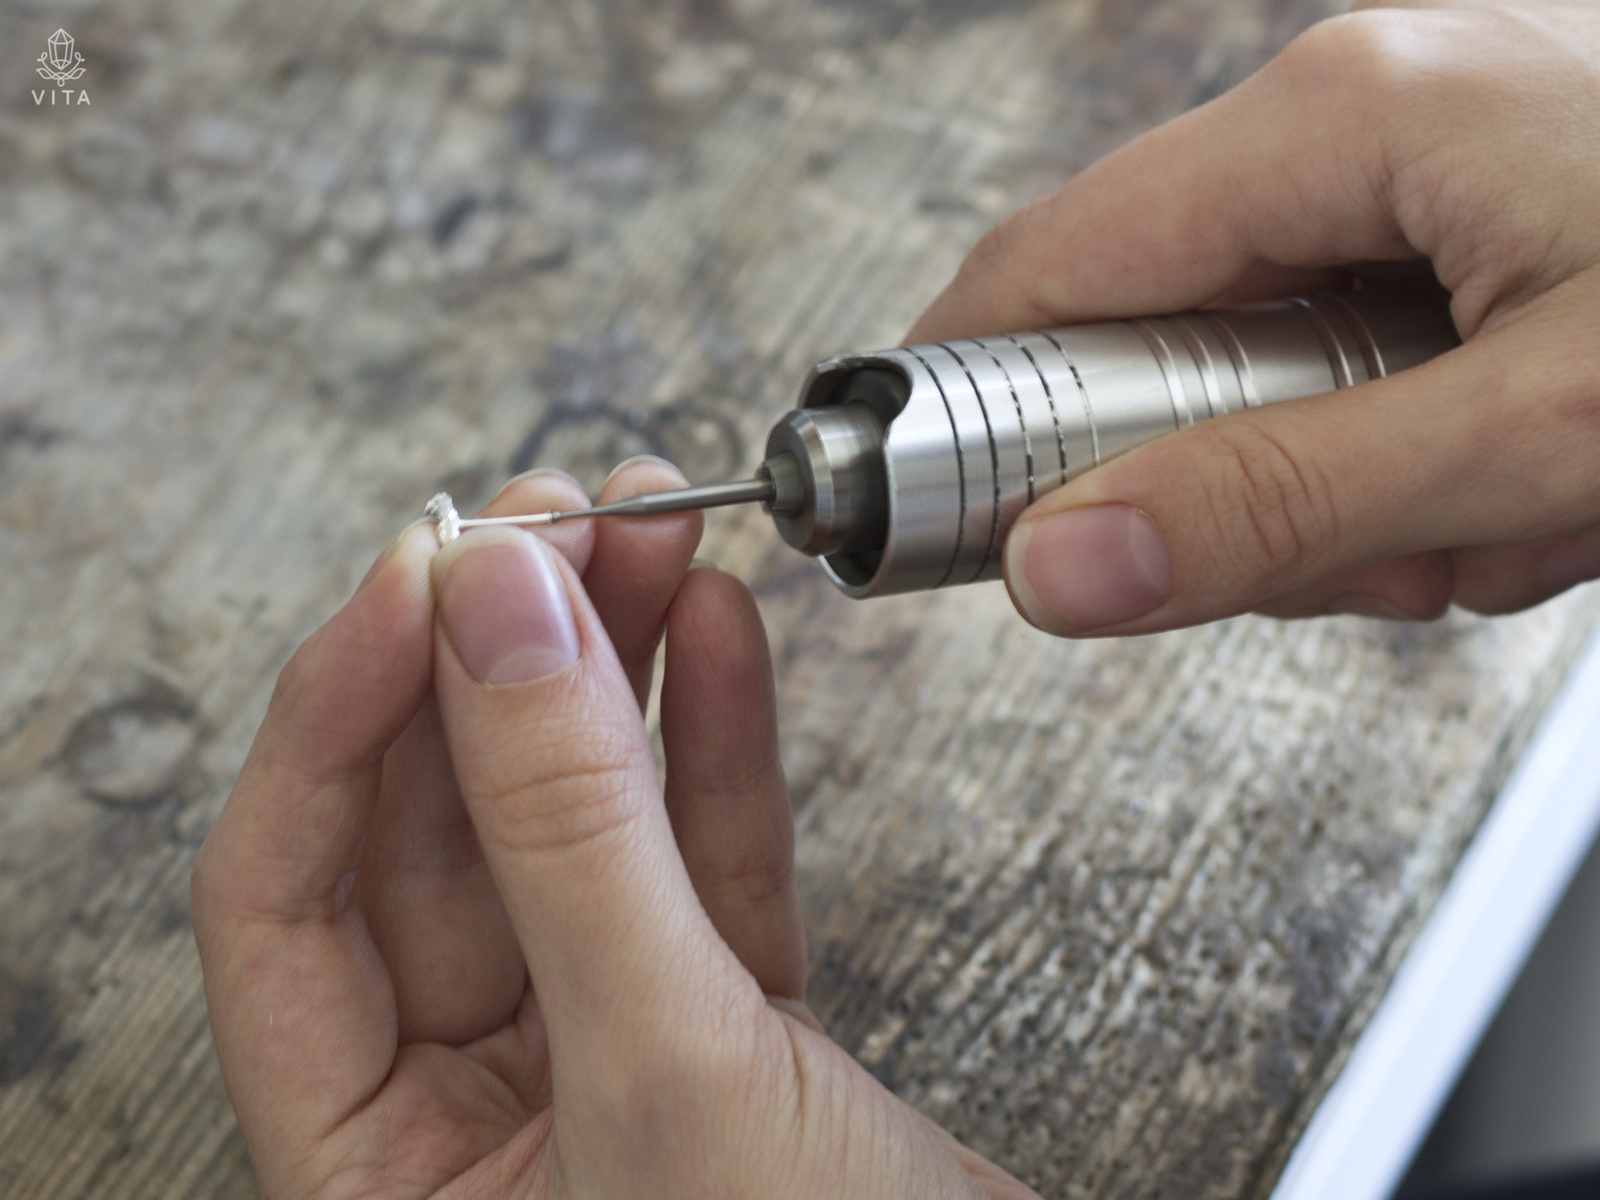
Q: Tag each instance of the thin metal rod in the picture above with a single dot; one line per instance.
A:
(744, 491)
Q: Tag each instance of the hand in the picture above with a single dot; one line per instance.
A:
(1465, 139)
(457, 942)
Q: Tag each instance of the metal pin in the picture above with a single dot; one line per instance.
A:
(448, 523)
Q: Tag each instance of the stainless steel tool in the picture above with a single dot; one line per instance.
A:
(903, 470)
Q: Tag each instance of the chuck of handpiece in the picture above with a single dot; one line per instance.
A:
(829, 491)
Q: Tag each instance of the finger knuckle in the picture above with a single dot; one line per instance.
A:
(999, 260)
(1372, 44)
(1386, 58)
(993, 249)
(988, 260)
(1272, 512)
(1551, 482)
(311, 690)
(573, 789)
(758, 883)
(297, 679)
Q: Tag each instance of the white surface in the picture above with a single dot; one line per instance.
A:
(1529, 1102)
(1538, 831)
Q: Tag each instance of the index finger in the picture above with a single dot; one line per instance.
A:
(1316, 160)
(637, 565)
(300, 1005)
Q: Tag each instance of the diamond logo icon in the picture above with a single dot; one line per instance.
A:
(61, 63)
(60, 44)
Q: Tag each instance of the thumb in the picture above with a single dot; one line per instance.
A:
(1230, 515)
(557, 773)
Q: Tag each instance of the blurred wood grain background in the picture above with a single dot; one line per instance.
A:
(1113, 913)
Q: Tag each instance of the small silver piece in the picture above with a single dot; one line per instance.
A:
(446, 521)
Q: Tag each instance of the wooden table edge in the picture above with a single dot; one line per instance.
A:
(1452, 980)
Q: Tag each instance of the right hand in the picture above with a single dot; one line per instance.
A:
(1464, 140)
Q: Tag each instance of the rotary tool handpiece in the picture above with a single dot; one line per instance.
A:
(903, 470)
(914, 463)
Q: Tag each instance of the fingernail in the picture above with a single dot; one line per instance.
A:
(388, 552)
(505, 608)
(542, 473)
(655, 459)
(1360, 604)
(1573, 561)
(1089, 567)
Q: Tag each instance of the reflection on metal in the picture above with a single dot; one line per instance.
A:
(977, 430)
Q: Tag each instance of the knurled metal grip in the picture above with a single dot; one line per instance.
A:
(975, 431)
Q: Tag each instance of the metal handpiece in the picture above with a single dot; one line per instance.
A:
(904, 470)
(975, 431)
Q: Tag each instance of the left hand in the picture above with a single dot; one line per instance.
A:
(456, 940)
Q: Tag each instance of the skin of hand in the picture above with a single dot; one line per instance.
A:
(458, 941)
(1461, 140)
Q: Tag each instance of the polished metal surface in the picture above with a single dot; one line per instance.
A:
(975, 431)
(745, 491)
(830, 460)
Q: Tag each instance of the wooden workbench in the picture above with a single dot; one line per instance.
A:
(1113, 913)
